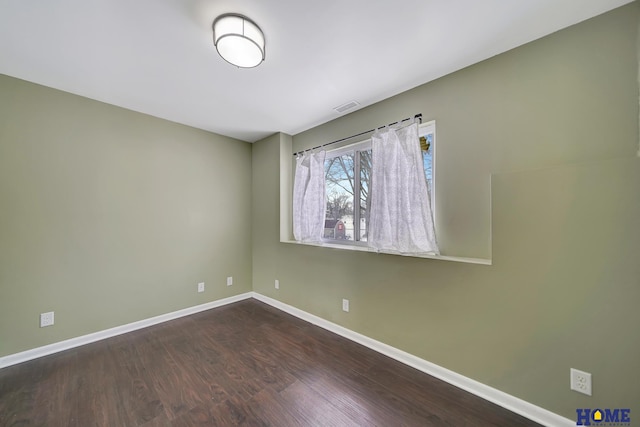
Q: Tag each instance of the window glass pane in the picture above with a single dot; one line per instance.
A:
(427, 160)
(365, 179)
(339, 175)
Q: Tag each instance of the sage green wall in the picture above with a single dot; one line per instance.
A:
(265, 219)
(108, 216)
(537, 169)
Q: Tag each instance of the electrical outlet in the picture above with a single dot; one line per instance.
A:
(277, 284)
(581, 381)
(345, 305)
(46, 319)
(201, 287)
(229, 281)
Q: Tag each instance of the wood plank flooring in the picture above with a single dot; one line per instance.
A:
(243, 364)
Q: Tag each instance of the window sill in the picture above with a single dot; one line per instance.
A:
(480, 261)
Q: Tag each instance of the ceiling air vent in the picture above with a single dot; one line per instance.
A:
(344, 107)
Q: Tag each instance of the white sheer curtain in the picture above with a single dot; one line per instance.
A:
(401, 219)
(309, 201)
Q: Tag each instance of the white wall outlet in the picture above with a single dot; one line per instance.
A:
(277, 284)
(345, 305)
(201, 287)
(581, 381)
(46, 319)
(229, 281)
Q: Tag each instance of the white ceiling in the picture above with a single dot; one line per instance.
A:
(157, 56)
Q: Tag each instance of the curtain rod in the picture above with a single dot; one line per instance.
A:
(417, 116)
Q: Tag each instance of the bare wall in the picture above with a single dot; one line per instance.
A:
(108, 216)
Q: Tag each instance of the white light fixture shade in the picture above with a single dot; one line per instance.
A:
(238, 40)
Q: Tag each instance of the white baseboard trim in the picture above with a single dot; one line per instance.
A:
(35, 353)
(512, 403)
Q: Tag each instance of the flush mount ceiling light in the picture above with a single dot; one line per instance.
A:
(239, 40)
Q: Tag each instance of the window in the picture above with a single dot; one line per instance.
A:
(347, 172)
(347, 177)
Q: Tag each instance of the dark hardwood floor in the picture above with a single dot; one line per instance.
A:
(242, 364)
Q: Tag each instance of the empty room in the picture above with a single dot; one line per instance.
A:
(289, 213)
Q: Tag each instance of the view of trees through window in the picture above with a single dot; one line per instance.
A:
(347, 176)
